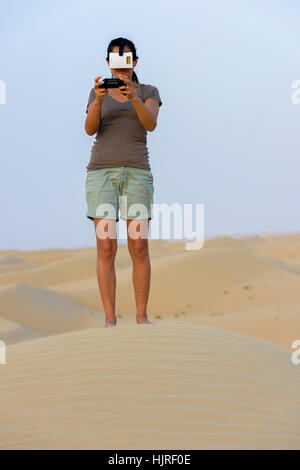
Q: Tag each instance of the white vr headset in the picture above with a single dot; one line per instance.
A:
(117, 61)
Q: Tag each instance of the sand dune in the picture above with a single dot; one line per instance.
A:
(13, 263)
(145, 387)
(9, 260)
(224, 281)
(7, 324)
(38, 257)
(279, 247)
(224, 242)
(11, 332)
(19, 334)
(44, 312)
(213, 372)
(285, 249)
(75, 268)
(294, 264)
(71, 267)
(205, 281)
(278, 325)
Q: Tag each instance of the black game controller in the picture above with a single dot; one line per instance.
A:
(112, 83)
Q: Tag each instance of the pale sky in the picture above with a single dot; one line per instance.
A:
(227, 133)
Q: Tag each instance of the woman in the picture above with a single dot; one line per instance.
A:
(119, 166)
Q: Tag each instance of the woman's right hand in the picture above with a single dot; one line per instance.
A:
(99, 92)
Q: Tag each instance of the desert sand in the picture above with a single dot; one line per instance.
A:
(214, 371)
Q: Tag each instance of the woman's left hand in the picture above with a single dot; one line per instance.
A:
(130, 89)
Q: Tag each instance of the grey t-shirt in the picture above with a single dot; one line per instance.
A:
(121, 139)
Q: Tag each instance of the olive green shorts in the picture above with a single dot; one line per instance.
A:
(126, 188)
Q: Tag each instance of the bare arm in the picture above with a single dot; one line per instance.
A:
(147, 112)
(92, 121)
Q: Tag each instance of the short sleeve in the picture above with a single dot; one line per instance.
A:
(91, 98)
(152, 92)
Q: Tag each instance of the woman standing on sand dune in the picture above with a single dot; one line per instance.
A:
(119, 166)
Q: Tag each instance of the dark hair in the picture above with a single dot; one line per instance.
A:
(126, 42)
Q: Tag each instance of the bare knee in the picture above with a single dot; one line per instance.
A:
(106, 249)
(106, 246)
(139, 250)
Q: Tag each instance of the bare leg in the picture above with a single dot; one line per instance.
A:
(106, 253)
(141, 273)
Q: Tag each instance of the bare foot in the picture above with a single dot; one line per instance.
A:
(144, 320)
(109, 323)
